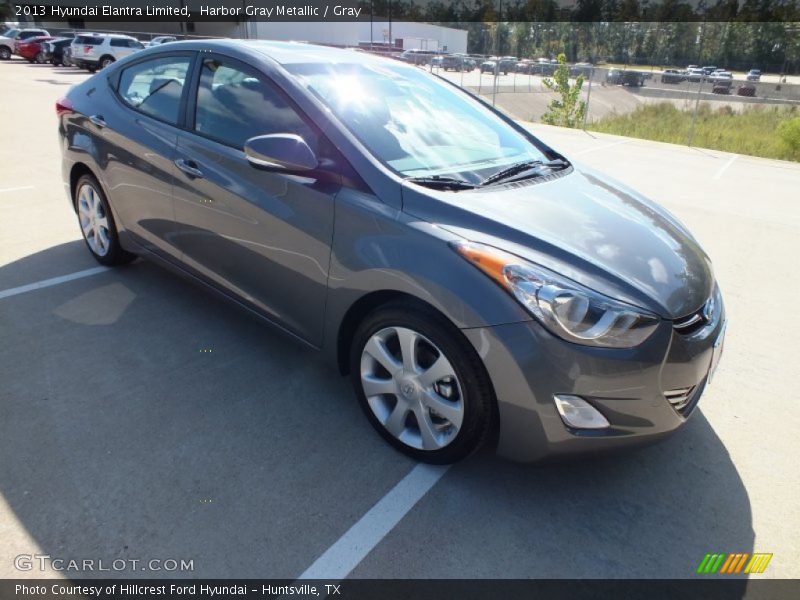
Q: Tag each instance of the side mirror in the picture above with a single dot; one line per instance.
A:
(284, 151)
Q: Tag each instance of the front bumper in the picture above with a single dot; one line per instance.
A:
(528, 365)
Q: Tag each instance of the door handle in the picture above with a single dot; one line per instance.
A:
(189, 167)
(98, 120)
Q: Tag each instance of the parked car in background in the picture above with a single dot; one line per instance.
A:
(97, 51)
(418, 57)
(12, 36)
(721, 76)
(54, 51)
(721, 83)
(754, 75)
(464, 296)
(625, 77)
(582, 68)
(695, 74)
(746, 89)
(488, 66)
(524, 66)
(709, 69)
(457, 62)
(672, 76)
(31, 49)
(506, 64)
(161, 39)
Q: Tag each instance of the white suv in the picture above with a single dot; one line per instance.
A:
(94, 51)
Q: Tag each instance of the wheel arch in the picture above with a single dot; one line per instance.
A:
(356, 314)
(77, 171)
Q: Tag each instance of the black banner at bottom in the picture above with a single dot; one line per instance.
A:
(391, 589)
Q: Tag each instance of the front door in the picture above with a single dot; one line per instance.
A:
(261, 235)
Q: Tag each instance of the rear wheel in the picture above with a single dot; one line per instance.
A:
(97, 223)
(106, 61)
(5, 53)
(421, 384)
(41, 58)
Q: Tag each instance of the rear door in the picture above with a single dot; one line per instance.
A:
(261, 235)
(139, 133)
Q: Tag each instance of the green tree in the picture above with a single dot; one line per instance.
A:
(568, 109)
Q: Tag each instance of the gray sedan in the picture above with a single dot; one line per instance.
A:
(478, 287)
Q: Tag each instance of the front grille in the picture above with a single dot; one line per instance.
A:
(680, 398)
(697, 320)
(690, 324)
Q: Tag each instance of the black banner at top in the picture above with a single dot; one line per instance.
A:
(435, 11)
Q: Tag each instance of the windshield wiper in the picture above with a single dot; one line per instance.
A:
(444, 183)
(521, 167)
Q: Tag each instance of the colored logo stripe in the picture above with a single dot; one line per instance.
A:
(733, 563)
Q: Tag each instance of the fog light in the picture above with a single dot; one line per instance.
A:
(578, 413)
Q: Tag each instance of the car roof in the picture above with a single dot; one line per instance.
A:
(286, 53)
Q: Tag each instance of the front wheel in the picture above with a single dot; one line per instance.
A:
(41, 58)
(5, 53)
(97, 223)
(421, 384)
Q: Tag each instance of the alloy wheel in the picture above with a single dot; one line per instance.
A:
(4, 54)
(93, 220)
(412, 388)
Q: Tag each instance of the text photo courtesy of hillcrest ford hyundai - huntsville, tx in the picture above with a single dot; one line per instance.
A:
(403, 299)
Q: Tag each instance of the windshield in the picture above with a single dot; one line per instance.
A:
(416, 124)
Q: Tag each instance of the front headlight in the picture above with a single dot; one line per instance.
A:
(566, 308)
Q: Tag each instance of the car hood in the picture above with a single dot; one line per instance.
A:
(585, 226)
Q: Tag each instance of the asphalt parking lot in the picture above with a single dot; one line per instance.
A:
(142, 418)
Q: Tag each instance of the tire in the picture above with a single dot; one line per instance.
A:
(457, 410)
(41, 58)
(106, 61)
(97, 223)
(5, 53)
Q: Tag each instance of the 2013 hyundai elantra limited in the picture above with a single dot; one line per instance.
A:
(476, 284)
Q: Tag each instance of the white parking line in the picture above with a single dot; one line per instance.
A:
(724, 167)
(350, 549)
(603, 147)
(50, 282)
(16, 189)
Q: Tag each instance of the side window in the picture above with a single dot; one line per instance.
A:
(154, 87)
(235, 103)
(119, 43)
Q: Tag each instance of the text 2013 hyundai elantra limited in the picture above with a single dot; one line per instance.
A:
(470, 279)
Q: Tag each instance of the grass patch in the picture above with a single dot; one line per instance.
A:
(770, 132)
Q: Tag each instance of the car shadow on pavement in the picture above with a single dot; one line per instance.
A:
(144, 418)
(651, 513)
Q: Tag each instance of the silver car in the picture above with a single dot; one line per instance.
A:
(479, 288)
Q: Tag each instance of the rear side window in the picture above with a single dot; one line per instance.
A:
(125, 43)
(26, 35)
(235, 103)
(155, 86)
(88, 40)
